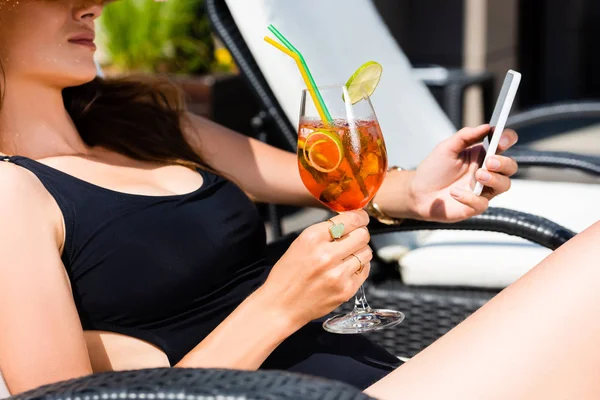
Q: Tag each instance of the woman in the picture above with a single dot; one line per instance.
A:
(123, 248)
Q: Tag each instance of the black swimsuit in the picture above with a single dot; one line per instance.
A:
(169, 269)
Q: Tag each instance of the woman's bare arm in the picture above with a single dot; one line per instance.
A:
(41, 339)
(246, 338)
(266, 173)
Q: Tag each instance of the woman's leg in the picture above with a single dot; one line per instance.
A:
(538, 339)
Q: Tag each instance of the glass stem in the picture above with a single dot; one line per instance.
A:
(360, 301)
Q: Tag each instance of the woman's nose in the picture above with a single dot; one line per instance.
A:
(89, 11)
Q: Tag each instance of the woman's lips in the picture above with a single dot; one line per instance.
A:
(84, 42)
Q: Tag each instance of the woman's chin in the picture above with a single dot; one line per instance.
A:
(79, 77)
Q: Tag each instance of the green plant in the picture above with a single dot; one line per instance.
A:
(165, 37)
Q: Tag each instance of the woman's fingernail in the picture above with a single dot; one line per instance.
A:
(504, 141)
(484, 176)
(493, 163)
(456, 192)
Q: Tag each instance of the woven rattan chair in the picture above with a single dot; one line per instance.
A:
(431, 310)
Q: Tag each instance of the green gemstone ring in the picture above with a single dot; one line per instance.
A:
(336, 230)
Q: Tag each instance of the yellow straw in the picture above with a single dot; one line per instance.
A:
(304, 76)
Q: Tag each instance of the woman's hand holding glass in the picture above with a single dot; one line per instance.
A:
(317, 273)
(342, 161)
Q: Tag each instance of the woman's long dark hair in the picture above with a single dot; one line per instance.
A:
(141, 117)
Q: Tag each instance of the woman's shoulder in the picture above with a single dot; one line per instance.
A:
(26, 206)
(19, 188)
(14, 177)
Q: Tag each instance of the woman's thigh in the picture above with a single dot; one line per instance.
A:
(538, 339)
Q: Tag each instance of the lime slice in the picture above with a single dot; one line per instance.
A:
(323, 151)
(367, 77)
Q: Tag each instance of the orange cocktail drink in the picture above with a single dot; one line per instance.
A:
(342, 163)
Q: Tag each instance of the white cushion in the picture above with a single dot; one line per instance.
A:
(4, 393)
(336, 37)
(470, 264)
(487, 259)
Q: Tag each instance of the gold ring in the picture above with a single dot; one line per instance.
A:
(336, 231)
(362, 266)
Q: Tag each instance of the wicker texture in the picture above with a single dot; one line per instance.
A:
(556, 159)
(430, 313)
(531, 227)
(195, 384)
(588, 110)
(554, 112)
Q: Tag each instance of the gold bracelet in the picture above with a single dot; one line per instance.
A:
(374, 211)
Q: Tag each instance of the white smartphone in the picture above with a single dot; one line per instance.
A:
(499, 117)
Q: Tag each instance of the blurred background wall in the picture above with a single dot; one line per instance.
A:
(552, 42)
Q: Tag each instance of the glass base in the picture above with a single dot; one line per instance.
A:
(363, 321)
